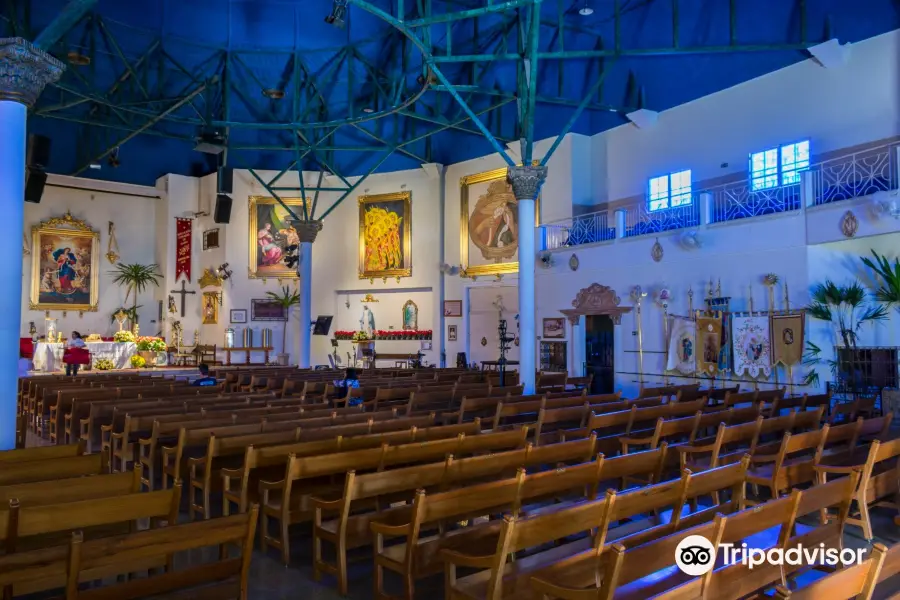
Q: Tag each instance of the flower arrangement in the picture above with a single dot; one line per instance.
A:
(124, 336)
(151, 344)
(104, 364)
(383, 334)
(343, 335)
(360, 336)
(138, 362)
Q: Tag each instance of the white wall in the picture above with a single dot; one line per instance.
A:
(833, 108)
(134, 219)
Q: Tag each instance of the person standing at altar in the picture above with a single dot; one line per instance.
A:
(74, 342)
(64, 271)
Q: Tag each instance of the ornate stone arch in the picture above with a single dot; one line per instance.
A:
(596, 299)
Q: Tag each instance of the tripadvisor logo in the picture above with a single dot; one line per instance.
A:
(695, 555)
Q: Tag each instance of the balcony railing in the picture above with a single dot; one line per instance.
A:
(843, 178)
(854, 175)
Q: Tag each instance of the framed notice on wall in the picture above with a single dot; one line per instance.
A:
(452, 308)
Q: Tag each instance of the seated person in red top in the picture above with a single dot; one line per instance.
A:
(204, 379)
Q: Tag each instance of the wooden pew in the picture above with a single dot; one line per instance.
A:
(40, 453)
(58, 468)
(859, 582)
(82, 561)
(286, 505)
(347, 532)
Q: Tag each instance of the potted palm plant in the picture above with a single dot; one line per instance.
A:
(286, 299)
(135, 278)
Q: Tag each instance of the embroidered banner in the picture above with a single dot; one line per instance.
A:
(725, 362)
(183, 238)
(681, 345)
(787, 339)
(709, 342)
(752, 347)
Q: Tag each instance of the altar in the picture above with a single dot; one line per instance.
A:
(48, 357)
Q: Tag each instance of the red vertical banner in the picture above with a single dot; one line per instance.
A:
(183, 228)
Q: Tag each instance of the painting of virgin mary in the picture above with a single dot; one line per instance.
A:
(64, 264)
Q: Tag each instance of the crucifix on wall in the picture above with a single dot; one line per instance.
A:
(184, 292)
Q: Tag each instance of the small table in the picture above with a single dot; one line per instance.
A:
(247, 352)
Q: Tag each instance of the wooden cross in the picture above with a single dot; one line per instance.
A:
(183, 291)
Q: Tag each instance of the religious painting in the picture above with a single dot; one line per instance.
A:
(451, 333)
(210, 308)
(267, 310)
(64, 265)
(787, 339)
(682, 346)
(554, 328)
(410, 315)
(752, 345)
(271, 232)
(489, 224)
(238, 315)
(385, 222)
(709, 342)
(452, 308)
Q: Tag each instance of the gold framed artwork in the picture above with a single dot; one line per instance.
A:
(210, 308)
(270, 233)
(488, 232)
(65, 259)
(385, 229)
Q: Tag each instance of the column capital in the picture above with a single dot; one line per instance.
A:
(25, 70)
(307, 230)
(526, 180)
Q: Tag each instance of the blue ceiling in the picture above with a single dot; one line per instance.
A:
(161, 68)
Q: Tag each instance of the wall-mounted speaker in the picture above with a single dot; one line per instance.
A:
(226, 180)
(222, 213)
(38, 154)
(34, 185)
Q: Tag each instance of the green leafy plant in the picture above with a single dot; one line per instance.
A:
(847, 308)
(888, 278)
(135, 278)
(286, 299)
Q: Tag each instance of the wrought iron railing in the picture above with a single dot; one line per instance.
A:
(640, 220)
(739, 200)
(578, 231)
(854, 175)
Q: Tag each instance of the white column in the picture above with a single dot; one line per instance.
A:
(24, 71)
(304, 270)
(12, 189)
(526, 183)
(527, 334)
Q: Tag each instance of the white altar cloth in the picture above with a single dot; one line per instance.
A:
(49, 357)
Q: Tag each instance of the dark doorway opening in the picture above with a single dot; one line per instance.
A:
(600, 353)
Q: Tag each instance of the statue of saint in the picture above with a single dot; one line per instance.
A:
(367, 321)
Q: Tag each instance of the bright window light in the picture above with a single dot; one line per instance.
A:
(670, 191)
(778, 166)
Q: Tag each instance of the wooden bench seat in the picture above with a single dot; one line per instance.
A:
(81, 561)
(40, 453)
(348, 531)
(57, 468)
(288, 501)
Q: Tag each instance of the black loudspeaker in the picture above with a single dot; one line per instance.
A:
(34, 185)
(38, 155)
(226, 180)
(222, 213)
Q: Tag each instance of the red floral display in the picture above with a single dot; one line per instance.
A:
(382, 334)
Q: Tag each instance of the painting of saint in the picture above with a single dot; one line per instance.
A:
(210, 308)
(384, 235)
(63, 256)
(271, 232)
(489, 227)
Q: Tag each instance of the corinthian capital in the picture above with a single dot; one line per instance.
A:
(526, 181)
(307, 231)
(25, 70)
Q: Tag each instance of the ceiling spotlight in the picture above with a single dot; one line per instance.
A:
(95, 165)
(78, 59)
(273, 94)
(338, 10)
(585, 10)
(368, 110)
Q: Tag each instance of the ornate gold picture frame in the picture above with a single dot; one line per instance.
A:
(270, 232)
(211, 308)
(65, 261)
(385, 231)
(488, 229)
